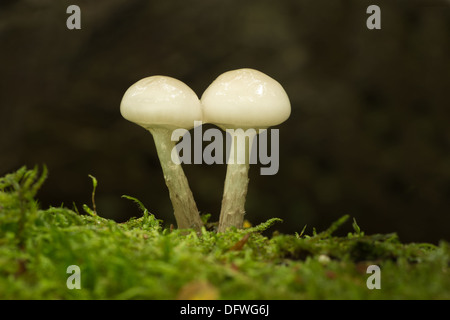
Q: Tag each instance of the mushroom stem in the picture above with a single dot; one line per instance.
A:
(185, 209)
(236, 181)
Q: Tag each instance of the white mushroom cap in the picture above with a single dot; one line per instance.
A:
(161, 101)
(245, 98)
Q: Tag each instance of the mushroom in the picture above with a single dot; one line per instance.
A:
(162, 104)
(241, 102)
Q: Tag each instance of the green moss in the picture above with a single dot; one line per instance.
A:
(140, 259)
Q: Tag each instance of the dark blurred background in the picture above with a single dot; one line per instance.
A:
(368, 136)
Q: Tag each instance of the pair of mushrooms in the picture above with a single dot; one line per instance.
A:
(239, 99)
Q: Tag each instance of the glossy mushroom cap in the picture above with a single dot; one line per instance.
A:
(245, 98)
(161, 101)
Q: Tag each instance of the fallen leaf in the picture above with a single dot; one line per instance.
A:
(240, 244)
(198, 290)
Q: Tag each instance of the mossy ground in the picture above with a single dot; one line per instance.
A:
(139, 259)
